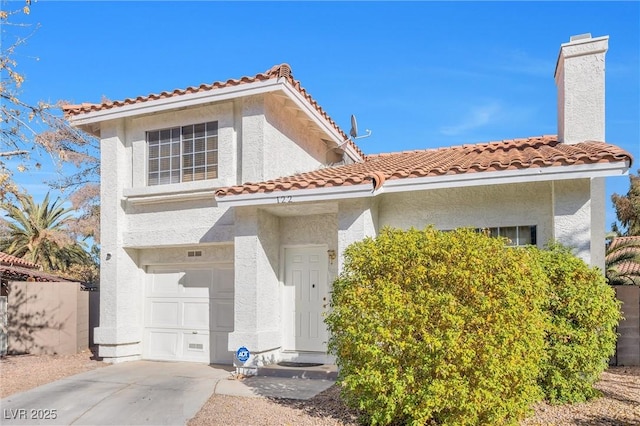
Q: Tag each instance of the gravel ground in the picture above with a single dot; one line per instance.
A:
(23, 372)
(619, 405)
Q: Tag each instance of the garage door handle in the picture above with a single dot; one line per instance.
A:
(194, 332)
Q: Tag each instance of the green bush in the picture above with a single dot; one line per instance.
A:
(438, 327)
(582, 315)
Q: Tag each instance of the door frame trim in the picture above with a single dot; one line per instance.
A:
(282, 278)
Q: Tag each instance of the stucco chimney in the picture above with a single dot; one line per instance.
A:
(580, 80)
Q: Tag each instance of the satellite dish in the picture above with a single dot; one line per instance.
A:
(354, 127)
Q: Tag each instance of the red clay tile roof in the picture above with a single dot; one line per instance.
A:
(13, 268)
(19, 273)
(7, 259)
(542, 151)
(275, 72)
(627, 268)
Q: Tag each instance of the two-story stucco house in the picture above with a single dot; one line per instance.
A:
(226, 207)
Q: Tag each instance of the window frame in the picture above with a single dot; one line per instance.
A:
(532, 237)
(184, 153)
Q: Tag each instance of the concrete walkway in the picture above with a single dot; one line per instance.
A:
(142, 393)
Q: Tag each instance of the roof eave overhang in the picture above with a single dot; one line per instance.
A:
(297, 195)
(89, 120)
(302, 103)
(533, 174)
(177, 101)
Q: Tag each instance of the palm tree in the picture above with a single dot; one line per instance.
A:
(622, 261)
(40, 233)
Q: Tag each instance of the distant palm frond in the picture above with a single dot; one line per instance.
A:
(622, 261)
(40, 233)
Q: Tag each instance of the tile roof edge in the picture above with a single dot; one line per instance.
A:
(11, 260)
(582, 153)
(35, 273)
(280, 71)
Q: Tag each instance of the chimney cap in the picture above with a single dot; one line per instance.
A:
(576, 47)
(580, 37)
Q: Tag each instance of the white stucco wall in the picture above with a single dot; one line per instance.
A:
(569, 211)
(256, 306)
(177, 223)
(251, 140)
(290, 145)
(478, 207)
(598, 219)
(357, 219)
(120, 332)
(573, 216)
(274, 141)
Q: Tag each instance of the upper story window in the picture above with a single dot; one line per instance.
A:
(183, 154)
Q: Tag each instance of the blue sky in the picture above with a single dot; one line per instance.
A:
(417, 74)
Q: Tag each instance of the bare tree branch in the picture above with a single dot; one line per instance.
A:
(13, 153)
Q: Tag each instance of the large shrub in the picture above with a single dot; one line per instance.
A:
(582, 315)
(443, 327)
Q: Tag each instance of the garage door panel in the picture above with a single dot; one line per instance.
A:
(163, 313)
(222, 315)
(224, 284)
(197, 283)
(195, 347)
(196, 315)
(162, 344)
(166, 284)
(220, 343)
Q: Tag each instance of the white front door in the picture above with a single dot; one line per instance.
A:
(305, 298)
(188, 314)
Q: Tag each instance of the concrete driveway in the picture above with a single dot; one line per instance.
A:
(142, 393)
(131, 393)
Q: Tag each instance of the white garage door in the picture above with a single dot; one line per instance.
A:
(189, 314)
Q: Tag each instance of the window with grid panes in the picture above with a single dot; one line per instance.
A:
(183, 154)
(516, 235)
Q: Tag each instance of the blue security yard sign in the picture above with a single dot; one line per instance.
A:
(242, 354)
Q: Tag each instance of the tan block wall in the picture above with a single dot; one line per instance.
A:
(628, 345)
(47, 318)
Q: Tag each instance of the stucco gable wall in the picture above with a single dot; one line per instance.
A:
(290, 146)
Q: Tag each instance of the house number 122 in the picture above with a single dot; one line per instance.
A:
(285, 199)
